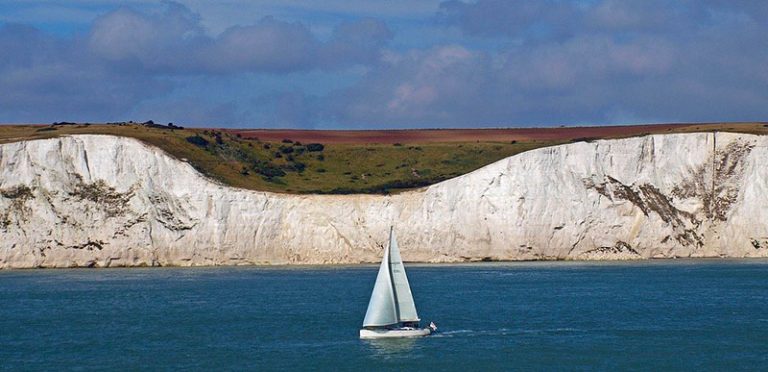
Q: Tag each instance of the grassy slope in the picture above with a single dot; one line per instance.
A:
(338, 168)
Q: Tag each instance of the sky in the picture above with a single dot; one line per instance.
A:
(384, 64)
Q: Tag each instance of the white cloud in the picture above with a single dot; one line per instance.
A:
(175, 42)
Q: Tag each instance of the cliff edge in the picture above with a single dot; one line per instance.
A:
(95, 200)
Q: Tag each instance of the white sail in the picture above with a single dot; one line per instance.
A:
(382, 310)
(406, 308)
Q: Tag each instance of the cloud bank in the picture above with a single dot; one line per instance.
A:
(483, 63)
(575, 62)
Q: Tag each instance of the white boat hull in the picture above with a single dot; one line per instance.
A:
(393, 333)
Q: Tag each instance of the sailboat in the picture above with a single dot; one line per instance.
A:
(391, 310)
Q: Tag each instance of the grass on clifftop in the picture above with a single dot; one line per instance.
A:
(293, 167)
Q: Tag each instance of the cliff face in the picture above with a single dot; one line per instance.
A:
(108, 201)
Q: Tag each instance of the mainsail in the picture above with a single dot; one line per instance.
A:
(391, 301)
(406, 309)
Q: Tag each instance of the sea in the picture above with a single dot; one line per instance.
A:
(647, 315)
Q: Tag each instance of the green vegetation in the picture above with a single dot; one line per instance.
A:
(292, 167)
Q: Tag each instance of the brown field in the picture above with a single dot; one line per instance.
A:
(482, 135)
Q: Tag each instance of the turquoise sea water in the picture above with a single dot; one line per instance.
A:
(695, 315)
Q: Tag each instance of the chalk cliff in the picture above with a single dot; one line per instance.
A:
(91, 200)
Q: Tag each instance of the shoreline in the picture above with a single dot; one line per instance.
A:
(521, 263)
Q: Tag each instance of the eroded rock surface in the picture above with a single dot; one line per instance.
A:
(108, 201)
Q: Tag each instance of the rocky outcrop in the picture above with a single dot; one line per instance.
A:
(109, 201)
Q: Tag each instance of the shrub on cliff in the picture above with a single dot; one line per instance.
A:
(198, 141)
(268, 170)
(296, 166)
(584, 139)
(313, 147)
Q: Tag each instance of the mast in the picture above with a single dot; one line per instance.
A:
(405, 306)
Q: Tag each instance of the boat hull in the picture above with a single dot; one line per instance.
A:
(368, 334)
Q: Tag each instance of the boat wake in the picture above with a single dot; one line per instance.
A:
(453, 333)
(501, 332)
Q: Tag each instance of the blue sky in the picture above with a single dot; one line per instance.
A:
(384, 64)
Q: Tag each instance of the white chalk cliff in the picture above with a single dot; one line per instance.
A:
(92, 200)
